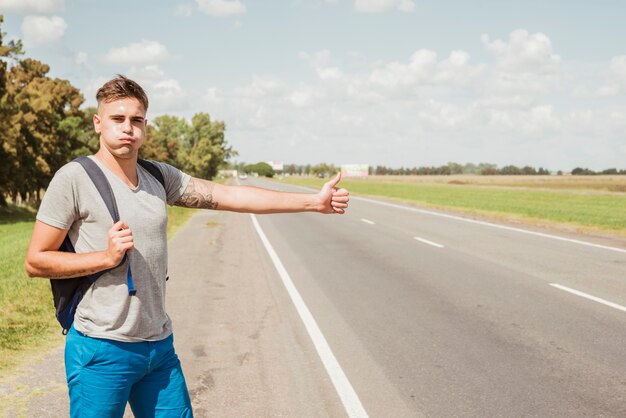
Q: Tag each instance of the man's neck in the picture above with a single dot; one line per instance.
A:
(124, 168)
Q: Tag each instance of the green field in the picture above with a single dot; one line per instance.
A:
(28, 322)
(564, 201)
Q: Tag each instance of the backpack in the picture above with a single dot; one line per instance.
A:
(67, 293)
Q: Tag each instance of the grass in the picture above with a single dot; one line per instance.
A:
(26, 304)
(28, 323)
(587, 184)
(570, 201)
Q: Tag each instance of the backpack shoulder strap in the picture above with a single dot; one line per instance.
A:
(102, 184)
(153, 169)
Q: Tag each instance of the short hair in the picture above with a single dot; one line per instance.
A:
(122, 88)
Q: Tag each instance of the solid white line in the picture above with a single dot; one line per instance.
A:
(425, 241)
(509, 228)
(590, 297)
(367, 221)
(346, 392)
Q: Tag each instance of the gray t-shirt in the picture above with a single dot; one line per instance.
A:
(107, 311)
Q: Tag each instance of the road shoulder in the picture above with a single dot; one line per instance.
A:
(243, 348)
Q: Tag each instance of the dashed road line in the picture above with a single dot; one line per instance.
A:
(425, 241)
(508, 228)
(590, 297)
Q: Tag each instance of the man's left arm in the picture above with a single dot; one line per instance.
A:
(205, 194)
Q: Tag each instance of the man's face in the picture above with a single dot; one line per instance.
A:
(122, 126)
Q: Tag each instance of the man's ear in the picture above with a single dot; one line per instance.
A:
(96, 123)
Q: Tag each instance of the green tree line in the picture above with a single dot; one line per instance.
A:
(323, 169)
(42, 127)
(579, 171)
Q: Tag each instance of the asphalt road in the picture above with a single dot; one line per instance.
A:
(430, 315)
(463, 322)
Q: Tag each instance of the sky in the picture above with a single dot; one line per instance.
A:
(379, 82)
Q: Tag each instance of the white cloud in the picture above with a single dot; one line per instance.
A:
(221, 8)
(424, 69)
(144, 52)
(418, 69)
(523, 53)
(612, 81)
(618, 74)
(607, 90)
(32, 6)
(41, 30)
(165, 93)
(262, 88)
(618, 66)
(434, 109)
(92, 85)
(526, 63)
(316, 59)
(303, 96)
(380, 6)
(184, 9)
(406, 6)
(457, 70)
(517, 102)
(80, 58)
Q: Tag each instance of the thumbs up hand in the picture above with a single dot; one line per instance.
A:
(333, 200)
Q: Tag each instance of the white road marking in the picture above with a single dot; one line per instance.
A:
(590, 297)
(509, 228)
(425, 241)
(346, 392)
(367, 221)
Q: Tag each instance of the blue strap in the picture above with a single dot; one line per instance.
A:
(129, 281)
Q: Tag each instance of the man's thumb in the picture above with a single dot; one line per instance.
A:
(335, 180)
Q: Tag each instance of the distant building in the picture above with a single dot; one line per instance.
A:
(227, 173)
(276, 165)
(355, 170)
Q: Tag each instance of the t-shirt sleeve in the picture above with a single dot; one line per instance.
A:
(176, 181)
(58, 207)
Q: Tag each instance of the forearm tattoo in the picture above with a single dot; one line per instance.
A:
(198, 194)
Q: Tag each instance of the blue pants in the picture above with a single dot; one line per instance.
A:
(103, 375)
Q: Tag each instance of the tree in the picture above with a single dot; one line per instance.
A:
(9, 53)
(204, 147)
(164, 139)
(290, 169)
(578, 171)
(323, 170)
(41, 124)
(455, 168)
(509, 170)
(44, 126)
(262, 169)
(81, 128)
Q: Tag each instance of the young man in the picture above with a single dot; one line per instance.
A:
(120, 347)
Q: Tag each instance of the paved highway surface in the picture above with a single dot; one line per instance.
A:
(429, 315)
(423, 315)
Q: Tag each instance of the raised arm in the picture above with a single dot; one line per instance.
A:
(208, 195)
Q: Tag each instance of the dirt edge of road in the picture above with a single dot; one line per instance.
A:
(243, 348)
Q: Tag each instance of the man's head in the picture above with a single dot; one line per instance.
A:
(121, 88)
(121, 118)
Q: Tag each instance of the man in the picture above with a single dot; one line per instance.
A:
(120, 347)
